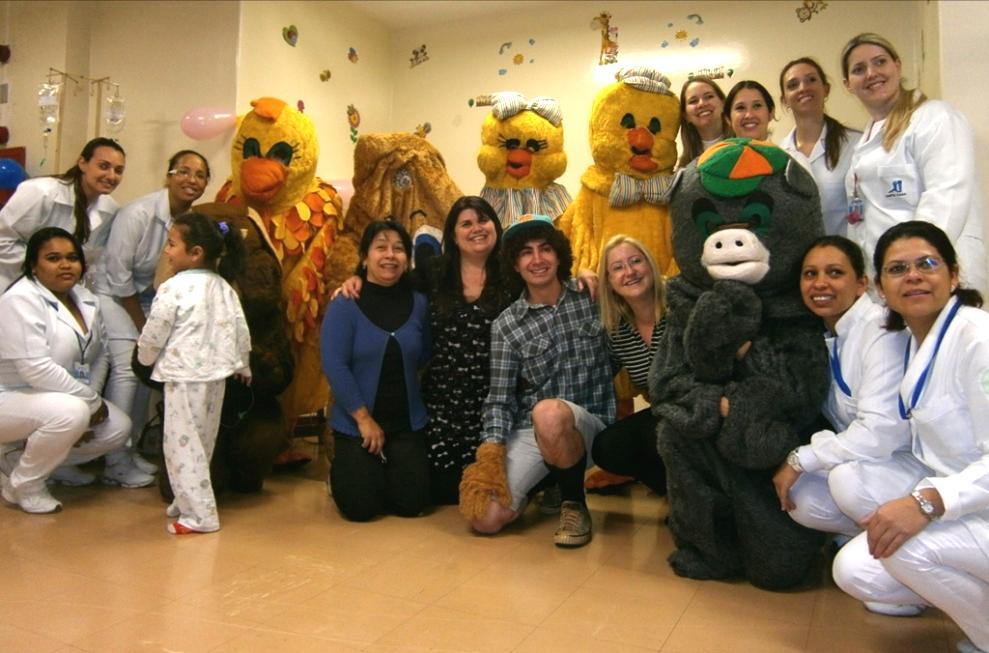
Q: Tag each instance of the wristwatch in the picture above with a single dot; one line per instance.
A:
(925, 506)
(793, 460)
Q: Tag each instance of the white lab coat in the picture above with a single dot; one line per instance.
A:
(45, 397)
(830, 183)
(867, 423)
(135, 244)
(947, 563)
(928, 175)
(48, 202)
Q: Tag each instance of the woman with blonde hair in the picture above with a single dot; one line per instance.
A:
(632, 303)
(703, 122)
(915, 161)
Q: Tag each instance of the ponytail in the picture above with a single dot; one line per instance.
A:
(834, 141)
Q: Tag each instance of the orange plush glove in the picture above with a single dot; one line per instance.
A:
(483, 481)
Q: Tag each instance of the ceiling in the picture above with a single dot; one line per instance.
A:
(402, 14)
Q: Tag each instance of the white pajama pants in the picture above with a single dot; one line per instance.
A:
(943, 565)
(122, 387)
(52, 423)
(192, 419)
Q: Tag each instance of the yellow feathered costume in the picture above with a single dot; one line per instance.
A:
(633, 128)
(273, 164)
(522, 155)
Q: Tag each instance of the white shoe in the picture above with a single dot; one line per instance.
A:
(37, 502)
(143, 464)
(126, 474)
(966, 646)
(894, 609)
(71, 475)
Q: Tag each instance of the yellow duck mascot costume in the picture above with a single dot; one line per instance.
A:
(522, 155)
(273, 164)
(633, 129)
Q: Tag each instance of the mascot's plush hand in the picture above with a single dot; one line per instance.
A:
(483, 481)
(723, 319)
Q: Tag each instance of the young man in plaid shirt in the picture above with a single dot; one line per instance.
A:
(551, 390)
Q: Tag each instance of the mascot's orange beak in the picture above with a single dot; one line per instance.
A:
(640, 140)
(261, 179)
(519, 163)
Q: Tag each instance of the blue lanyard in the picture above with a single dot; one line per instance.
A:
(836, 369)
(919, 388)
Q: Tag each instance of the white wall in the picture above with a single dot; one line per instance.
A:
(753, 38)
(270, 67)
(965, 75)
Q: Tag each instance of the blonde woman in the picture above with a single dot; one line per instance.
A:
(915, 161)
(632, 303)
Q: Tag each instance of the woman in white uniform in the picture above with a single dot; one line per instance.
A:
(819, 142)
(125, 291)
(78, 201)
(52, 363)
(915, 161)
(926, 515)
(866, 369)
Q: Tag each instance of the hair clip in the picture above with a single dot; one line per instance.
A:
(224, 228)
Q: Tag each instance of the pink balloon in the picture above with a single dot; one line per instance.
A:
(202, 123)
(345, 189)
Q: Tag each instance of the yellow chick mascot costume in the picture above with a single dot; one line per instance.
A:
(273, 164)
(633, 129)
(522, 155)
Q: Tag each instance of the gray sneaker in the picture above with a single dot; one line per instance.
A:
(575, 525)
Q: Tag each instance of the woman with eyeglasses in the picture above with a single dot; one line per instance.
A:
(926, 515)
(125, 290)
(915, 160)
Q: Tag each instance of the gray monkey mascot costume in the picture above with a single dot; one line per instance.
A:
(741, 374)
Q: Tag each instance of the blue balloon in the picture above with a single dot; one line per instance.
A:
(11, 174)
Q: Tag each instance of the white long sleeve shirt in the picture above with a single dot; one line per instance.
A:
(49, 202)
(42, 345)
(196, 330)
(135, 243)
(867, 422)
(830, 183)
(928, 175)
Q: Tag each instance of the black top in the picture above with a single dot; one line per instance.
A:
(388, 308)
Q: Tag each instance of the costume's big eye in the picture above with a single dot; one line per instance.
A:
(534, 145)
(628, 121)
(706, 217)
(758, 212)
(655, 126)
(251, 148)
(281, 151)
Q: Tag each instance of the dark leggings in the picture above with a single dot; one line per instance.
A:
(628, 447)
(364, 487)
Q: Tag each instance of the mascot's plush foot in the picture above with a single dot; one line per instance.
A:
(600, 481)
(291, 459)
(689, 563)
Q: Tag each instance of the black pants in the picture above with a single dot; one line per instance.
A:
(364, 487)
(628, 447)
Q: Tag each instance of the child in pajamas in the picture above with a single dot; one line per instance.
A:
(196, 336)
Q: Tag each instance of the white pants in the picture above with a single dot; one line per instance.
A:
(943, 565)
(122, 387)
(192, 419)
(51, 423)
(816, 508)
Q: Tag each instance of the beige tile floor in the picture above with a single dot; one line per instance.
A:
(286, 573)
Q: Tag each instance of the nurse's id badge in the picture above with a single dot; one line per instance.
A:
(855, 207)
(81, 372)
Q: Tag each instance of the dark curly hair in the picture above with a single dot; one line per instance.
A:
(513, 244)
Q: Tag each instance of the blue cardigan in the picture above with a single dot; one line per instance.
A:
(352, 350)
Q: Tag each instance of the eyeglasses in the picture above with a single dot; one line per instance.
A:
(185, 173)
(924, 265)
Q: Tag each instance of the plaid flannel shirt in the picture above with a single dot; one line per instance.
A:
(542, 352)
